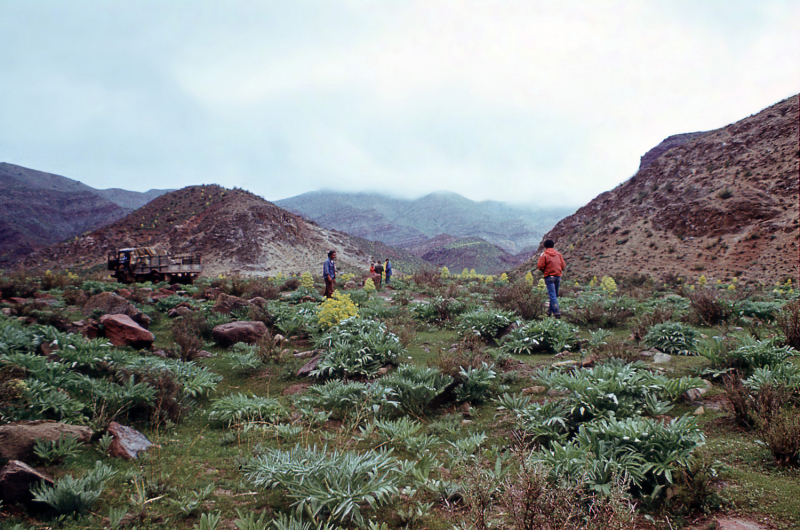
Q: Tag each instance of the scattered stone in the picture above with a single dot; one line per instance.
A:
(738, 524)
(6, 311)
(557, 393)
(309, 366)
(383, 370)
(278, 338)
(589, 361)
(248, 331)
(350, 285)
(114, 304)
(127, 442)
(464, 423)
(534, 390)
(648, 353)
(17, 439)
(661, 358)
(304, 354)
(125, 293)
(202, 354)
(259, 301)
(227, 303)
(699, 411)
(121, 330)
(693, 394)
(179, 311)
(18, 300)
(562, 364)
(16, 480)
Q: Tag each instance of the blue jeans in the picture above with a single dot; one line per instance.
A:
(553, 283)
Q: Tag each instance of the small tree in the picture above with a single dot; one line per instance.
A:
(445, 272)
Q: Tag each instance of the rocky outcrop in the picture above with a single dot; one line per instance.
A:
(127, 442)
(227, 303)
(722, 204)
(114, 304)
(18, 439)
(16, 480)
(121, 330)
(248, 332)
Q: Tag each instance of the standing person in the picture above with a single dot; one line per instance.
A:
(329, 273)
(379, 272)
(551, 263)
(388, 269)
(371, 267)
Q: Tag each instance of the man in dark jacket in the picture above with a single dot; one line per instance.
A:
(388, 270)
(551, 263)
(329, 273)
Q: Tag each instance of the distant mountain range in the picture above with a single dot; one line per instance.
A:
(443, 228)
(38, 209)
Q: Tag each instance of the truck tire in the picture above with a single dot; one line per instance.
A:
(156, 277)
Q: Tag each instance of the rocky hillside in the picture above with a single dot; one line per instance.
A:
(234, 230)
(38, 209)
(722, 204)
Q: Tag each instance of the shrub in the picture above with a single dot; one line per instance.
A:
(438, 310)
(486, 323)
(521, 298)
(709, 307)
(416, 387)
(782, 435)
(186, 334)
(357, 347)
(335, 485)
(236, 409)
(755, 353)
(244, 357)
(595, 309)
(71, 496)
(788, 320)
(673, 338)
(334, 310)
(346, 398)
(53, 451)
(548, 335)
(476, 384)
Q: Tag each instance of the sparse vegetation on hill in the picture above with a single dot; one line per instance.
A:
(722, 204)
(448, 402)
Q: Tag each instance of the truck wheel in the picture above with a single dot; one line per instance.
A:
(156, 277)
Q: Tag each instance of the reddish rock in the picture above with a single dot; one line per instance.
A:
(121, 330)
(125, 293)
(127, 442)
(227, 303)
(738, 524)
(114, 304)
(16, 480)
(18, 300)
(17, 439)
(243, 331)
(179, 311)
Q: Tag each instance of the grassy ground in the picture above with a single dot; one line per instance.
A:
(161, 488)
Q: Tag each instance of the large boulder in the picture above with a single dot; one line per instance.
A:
(121, 330)
(227, 303)
(243, 331)
(113, 304)
(16, 480)
(127, 442)
(17, 439)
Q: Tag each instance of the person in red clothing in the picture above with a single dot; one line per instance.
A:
(551, 263)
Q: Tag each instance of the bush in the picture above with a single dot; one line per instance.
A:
(788, 320)
(486, 323)
(476, 384)
(548, 335)
(753, 354)
(236, 409)
(335, 485)
(521, 298)
(782, 435)
(71, 496)
(673, 338)
(416, 387)
(599, 310)
(708, 306)
(334, 310)
(357, 347)
(438, 310)
(351, 398)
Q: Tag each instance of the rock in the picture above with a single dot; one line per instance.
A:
(6, 311)
(179, 311)
(278, 338)
(562, 364)
(304, 354)
(465, 423)
(124, 293)
(114, 304)
(309, 366)
(127, 442)
(534, 390)
(227, 303)
(349, 286)
(16, 480)
(18, 300)
(383, 370)
(121, 330)
(661, 358)
(248, 331)
(259, 301)
(648, 353)
(738, 524)
(693, 394)
(699, 411)
(202, 354)
(557, 393)
(17, 439)
(589, 361)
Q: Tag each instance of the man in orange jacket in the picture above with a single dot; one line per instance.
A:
(551, 263)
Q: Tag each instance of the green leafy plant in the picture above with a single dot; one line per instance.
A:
(673, 338)
(236, 409)
(486, 323)
(478, 384)
(54, 451)
(415, 387)
(71, 496)
(357, 347)
(549, 335)
(351, 398)
(331, 485)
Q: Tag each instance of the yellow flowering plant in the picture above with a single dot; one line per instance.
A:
(334, 310)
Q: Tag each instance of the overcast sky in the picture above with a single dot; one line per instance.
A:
(548, 102)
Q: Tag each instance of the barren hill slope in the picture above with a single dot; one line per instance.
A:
(235, 230)
(722, 204)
